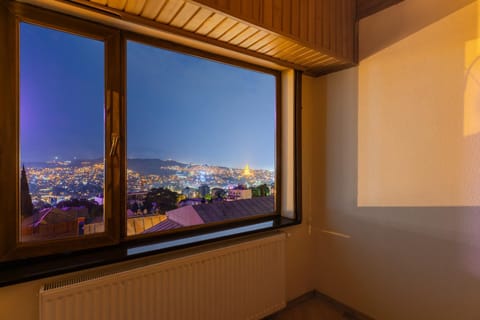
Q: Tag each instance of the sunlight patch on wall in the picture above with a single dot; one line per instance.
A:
(419, 118)
(471, 109)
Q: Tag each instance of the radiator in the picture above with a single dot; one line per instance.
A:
(240, 281)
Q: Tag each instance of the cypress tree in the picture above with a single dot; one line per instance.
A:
(26, 199)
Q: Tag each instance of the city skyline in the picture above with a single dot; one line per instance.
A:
(64, 200)
(62, 181)
(232, 125)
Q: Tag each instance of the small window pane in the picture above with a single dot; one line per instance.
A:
(200, 141)
(61, 134)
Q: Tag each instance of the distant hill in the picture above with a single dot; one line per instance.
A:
(142, 166)
(154, 166)
(52, 164)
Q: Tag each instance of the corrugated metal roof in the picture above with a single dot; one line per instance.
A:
(163, 226)
(227, 210)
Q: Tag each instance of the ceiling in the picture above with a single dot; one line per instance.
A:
(195, 24)
(210, 25)
(368, 7)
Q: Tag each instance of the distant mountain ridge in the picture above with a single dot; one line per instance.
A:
(54, 164)
(143, 166)
(154, 166)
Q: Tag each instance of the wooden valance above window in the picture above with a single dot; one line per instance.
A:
(315, 36)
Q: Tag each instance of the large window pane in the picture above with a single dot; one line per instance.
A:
(61, 134)
(200, 141)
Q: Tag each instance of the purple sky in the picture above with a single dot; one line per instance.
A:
(61, 95)
(178, 106)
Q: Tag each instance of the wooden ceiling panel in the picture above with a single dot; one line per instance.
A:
(261, 43)
(210, 23)
(321, 60)
(292, 53)
(117, 4)
(184, 15)
(134, 7)
(197, 20)
(233, 32)
(244, 35)
(290, 50)
(222, 28)
(170, 11)
(285, 46)
(205, 22)
(307, 57)
(152, 8)
(253, 38)
(276, 42)
(101, 2)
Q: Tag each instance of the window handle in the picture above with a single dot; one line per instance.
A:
(113, 148)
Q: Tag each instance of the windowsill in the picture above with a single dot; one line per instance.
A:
(37, 268)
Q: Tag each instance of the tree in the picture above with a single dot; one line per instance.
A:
(26, 199)
(264, 190)
(218, 193)
(165, 199)
(133, 207)
(94, 209)
(260, 191)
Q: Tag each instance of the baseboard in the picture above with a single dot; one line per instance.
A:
(292, 303)
(300, 299)
(347, 312)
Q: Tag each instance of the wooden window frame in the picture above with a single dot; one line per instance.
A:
(11, 249)
(177, 48)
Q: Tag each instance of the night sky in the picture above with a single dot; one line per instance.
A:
(178, 107)
(61, 95)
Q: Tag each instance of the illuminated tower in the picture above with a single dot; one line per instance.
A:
(26, 205)
(246, 171)
(244, 176)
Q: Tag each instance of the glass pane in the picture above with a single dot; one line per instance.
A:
(61, 134)
(201, 141)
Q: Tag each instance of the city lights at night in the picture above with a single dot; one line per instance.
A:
(200, 137)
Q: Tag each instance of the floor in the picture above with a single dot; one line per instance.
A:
(312, 308)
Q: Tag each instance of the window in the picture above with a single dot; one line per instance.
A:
(111, 137)
(61, 134)
(201, 141)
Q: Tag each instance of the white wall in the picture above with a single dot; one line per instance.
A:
(406, 253)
